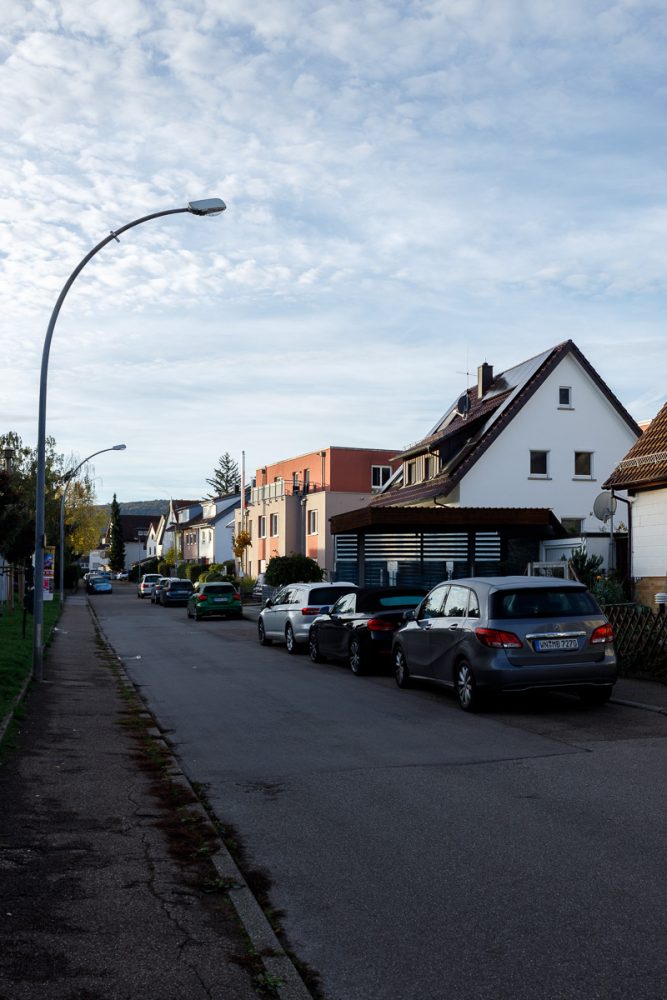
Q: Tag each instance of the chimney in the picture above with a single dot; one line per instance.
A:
(484, 378)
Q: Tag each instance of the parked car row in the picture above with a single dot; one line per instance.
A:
(98, 583)
(213, 598)
(478, 636)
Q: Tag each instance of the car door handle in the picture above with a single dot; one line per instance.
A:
(453, 628)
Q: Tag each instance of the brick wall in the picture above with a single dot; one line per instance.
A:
(647, 588)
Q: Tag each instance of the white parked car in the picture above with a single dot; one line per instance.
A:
(145, 585)
(287, 616)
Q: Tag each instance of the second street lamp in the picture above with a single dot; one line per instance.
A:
(207, 206)
(68, 482)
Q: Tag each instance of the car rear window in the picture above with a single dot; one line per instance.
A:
(542, 603)
(327, 595)
(219, 588)
(181, 585)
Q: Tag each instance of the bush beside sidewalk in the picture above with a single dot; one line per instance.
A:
(16, 652)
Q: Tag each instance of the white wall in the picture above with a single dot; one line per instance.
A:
(501, 478)
(649, 534)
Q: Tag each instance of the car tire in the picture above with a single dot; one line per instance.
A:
(596, 695)
(261, 634)
(401, 672)
(140, 596)
(356, 658)
(290, 641)
(467, 694)
(314, 648)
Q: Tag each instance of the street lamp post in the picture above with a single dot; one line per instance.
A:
(68, 480)
(207, 206)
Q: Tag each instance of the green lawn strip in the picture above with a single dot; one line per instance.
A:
(16, 651)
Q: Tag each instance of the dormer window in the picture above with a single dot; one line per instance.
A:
(410, 473)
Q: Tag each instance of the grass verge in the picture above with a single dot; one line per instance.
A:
(16, 650)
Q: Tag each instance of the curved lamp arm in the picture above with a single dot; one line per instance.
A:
(206, 206)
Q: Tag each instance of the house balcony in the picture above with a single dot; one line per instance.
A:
(281, 489)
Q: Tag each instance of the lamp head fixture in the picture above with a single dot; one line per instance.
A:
(119, 447)
(207, 206)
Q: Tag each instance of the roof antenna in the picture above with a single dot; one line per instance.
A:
(463, 402)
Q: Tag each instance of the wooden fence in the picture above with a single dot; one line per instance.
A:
(640, 640)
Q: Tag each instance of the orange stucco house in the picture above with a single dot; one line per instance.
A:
(292, 500)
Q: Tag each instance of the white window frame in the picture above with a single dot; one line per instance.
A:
(381, 476)
(273, 525)
(313, 520)
(585, 476)
(261, 526)
(538, 475)
(568, 405)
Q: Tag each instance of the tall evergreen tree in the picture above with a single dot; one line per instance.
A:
(117, 546)
(226, 478)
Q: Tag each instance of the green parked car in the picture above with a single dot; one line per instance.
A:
(214, 598)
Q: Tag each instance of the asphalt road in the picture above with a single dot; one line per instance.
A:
(419, 853)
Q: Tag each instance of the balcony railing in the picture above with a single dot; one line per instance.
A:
(281, 488)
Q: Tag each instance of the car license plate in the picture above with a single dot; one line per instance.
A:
(543, 645)
(219, 600)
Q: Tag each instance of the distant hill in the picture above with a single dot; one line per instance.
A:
(148, 507)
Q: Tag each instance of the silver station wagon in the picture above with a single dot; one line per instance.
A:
(502, 634)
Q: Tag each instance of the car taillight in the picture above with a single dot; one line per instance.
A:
(498, 639)
(603, 633)
(201, 597)
(380, 625)
(236, 597)
(310, 611)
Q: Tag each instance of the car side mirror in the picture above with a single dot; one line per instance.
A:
(409, 616)
(268, 603)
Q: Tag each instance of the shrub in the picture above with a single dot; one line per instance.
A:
(587, 568)
(288, 569)
(194, 571)
(609, 590)
(164, 568)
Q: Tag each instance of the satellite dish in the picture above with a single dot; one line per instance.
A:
(604, 506)
(463, 405)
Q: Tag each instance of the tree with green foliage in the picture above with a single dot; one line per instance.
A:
(226, 478)
(288, 569)
(117, 545)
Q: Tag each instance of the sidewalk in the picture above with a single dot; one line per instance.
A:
(107, 892)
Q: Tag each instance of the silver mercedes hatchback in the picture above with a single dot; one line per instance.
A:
(500, 634)
(288, 615)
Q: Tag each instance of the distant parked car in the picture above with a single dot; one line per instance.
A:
(498, 634)
(360, 626)
(98, 585)
(214, 598)
(288, 615)
(145, 584)
(156, 589)
(122, 575)
(175, 592)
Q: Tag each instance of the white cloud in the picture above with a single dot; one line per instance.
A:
(417, 179)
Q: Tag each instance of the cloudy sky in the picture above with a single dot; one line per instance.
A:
(412, 188)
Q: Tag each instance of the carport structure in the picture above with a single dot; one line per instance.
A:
(424, 545)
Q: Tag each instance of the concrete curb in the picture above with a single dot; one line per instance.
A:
(638, 704)
(288, 983)
(7, 720)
